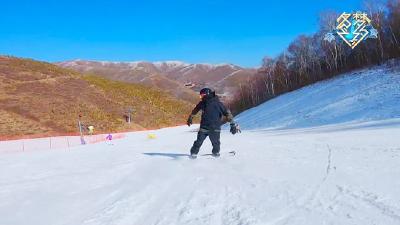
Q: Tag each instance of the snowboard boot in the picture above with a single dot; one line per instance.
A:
(216, 155)
(193, 156)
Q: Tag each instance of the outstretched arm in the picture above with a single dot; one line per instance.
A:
(194, 112)
(197, 109)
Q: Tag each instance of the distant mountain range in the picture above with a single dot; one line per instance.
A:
(178, 78)
(39, 98)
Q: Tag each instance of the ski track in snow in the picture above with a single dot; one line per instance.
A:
(333, 175)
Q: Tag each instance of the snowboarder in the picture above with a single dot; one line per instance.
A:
(214, 115)
(109, 138)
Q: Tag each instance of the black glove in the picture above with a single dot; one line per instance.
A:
(190, 120)
(235, 128)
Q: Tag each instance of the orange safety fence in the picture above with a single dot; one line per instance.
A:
(31, 143)
(51, 143)
(57, 134)
(91, 139)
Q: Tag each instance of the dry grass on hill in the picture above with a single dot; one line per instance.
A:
(38, 98)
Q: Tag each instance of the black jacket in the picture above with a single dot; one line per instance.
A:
(213, 112)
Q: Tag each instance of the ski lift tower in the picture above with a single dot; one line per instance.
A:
(130, 111)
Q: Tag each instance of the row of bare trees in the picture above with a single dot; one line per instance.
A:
(310, 59)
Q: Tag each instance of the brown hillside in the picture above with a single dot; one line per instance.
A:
(141, 73)
(170, 76)
(42, 98)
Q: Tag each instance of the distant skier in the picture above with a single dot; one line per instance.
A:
(109, 138)
(212, 118)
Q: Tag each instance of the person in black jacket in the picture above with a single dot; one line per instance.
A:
(212, 118)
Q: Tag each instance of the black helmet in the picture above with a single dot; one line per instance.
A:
(207, 93)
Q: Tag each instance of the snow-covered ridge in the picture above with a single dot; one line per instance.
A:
(364, 95)
(169, 64)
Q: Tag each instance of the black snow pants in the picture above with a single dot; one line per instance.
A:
(214, 136)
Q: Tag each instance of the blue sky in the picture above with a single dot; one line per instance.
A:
(213, 31)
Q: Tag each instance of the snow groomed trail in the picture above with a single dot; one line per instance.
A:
(328, 153)
(339, 174)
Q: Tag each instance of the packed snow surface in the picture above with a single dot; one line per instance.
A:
(365, 95)
(334, 160)
(344, 174)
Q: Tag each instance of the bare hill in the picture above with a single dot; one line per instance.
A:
(178, 78)
(42, 98)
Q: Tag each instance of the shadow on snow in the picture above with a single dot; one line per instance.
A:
(168, 155)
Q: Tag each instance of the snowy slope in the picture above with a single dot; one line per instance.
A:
(344, 173)
(366, 95)
(338, 175)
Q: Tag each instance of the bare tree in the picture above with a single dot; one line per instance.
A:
(309, 59)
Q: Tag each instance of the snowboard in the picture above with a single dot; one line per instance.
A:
(231, 153)
(222, 154)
